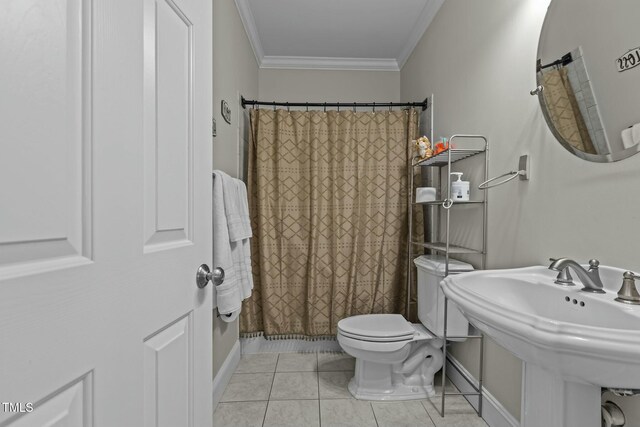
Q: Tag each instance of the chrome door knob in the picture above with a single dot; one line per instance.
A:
(203, 275)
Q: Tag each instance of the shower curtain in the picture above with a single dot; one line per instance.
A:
(328, 201)
(564, 110)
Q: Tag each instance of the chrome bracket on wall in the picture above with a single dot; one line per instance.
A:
(537, 90)
(523, 168)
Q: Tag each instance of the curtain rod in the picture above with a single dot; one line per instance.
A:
(424, 104)
(564, 61)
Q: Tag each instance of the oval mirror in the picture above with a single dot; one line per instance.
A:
(588, 73)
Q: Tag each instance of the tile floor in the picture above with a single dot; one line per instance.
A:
(310, 389)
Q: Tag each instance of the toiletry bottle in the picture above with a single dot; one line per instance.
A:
(459, 189)
(441, 146)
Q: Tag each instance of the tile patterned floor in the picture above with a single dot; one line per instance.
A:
(310, 390)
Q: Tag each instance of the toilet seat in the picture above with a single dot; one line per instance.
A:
(377, 347)
(376, 339)
(377, 328)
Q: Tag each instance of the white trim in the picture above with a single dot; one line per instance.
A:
(329, 63)
(249, 24)
(224, 374)
(492, 410)
(424, 20)
(522, 391)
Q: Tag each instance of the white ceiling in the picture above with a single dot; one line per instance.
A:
(335, 34)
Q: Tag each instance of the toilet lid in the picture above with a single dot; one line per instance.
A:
(381, 327)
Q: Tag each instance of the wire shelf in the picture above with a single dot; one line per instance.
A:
(439, 202)
(442, 247)
(445, 159)
(442, 158)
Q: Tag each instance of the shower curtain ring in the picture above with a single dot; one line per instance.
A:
(374, 107)
(288, 110)
(390, 106)
(338, 107)
(354, 107)
(307, 106)
(274, 105)
(325, 107)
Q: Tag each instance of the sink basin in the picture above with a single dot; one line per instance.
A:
(575, 339)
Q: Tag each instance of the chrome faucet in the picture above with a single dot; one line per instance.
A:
(589, 278)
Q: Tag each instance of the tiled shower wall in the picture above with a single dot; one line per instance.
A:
(583, 90)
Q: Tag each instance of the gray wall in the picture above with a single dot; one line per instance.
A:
(329, 86)
(234, 71)
(478, 58)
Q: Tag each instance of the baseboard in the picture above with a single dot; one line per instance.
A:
(262, 345)
(224, 374)
(492, 410)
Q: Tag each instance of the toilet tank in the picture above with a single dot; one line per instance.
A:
(431, 271)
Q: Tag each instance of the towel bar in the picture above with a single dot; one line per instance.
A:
(522, 172)
(485, 185)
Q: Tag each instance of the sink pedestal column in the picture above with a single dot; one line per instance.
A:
(548, 400)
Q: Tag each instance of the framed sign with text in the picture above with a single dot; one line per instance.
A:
(226, 111)
(629, 60)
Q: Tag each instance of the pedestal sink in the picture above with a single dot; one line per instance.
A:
(573, 343)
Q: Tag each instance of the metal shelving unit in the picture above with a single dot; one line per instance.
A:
(444, 160)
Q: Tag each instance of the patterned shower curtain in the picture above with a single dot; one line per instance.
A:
(564, 110)
(328, 201)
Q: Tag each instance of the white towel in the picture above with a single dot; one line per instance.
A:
(631, 136)
(234, 257)
(627, 138)
(228, 300)
(241, 254)
(635, 133)
(236, 207)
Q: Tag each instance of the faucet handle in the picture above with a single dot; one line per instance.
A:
(593, 264)
(630, 275)
(628, 293)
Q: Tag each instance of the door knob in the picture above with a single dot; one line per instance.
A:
(203, 275)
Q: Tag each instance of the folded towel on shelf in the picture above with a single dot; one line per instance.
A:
(232, 254)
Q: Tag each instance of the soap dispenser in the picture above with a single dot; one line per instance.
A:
(459, 189)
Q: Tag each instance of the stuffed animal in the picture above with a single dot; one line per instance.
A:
(423, 147)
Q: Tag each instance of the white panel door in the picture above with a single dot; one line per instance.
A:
(105, 212)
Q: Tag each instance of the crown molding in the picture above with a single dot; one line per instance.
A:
(249, 24)
(424, 20)
(335, 63)
(322, 63)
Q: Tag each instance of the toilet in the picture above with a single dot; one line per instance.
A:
(396, 359)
